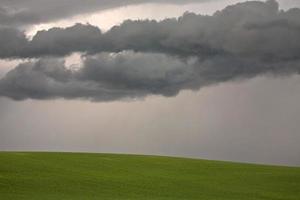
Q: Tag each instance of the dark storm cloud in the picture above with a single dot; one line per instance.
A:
(12, 42)
(101, 78)
(129, 75)
(26, 12)
(156, 58)
(56, 41)
(251, 29)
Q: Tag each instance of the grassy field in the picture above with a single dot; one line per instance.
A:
(58, 176)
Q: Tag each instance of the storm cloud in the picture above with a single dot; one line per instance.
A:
(148, 57)
(101, 78)
(130, 75)
(251, 29)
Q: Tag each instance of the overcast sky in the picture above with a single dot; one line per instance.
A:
(209, 85)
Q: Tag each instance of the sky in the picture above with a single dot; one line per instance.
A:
(204, 79)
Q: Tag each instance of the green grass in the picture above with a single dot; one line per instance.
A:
(71, 176)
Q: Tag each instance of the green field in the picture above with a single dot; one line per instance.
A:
(57, 176)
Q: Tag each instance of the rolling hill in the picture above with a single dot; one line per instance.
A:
(72, 176)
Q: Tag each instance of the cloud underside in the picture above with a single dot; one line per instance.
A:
(129, 75)
(140, 58)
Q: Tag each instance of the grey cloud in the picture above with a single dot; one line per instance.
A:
(103, 77)
(58, 41)
(12, 42)
(251, 29)
(27, 12)
(129, 75)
